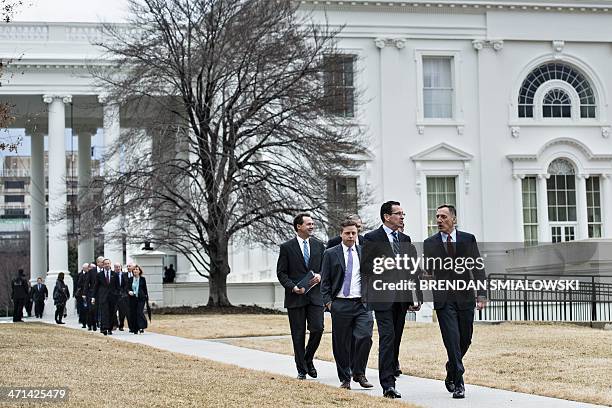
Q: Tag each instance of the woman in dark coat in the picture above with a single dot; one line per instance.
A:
(61, 294)
(138, 296)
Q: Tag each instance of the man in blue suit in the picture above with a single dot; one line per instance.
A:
(352, 321)
(455, 309)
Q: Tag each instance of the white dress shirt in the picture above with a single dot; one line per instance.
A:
(301, 242)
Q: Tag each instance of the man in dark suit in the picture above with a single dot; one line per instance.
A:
(297, 257)
(20, 291)
(388, 242)
(80, 294)
(338, 239)
(352, 321)
(39, 294)
(89, 283)
(455, 309)
(123, 287)
(106, 287)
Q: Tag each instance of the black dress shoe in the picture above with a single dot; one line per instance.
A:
(363, 381)
(301, 376)
(397, 373)
(312, 371)
(346, 385)
(449, 383)
(110, 332)
(391, 392)
(104, 332)
(459, 392)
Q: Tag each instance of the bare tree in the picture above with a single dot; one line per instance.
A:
(238, 134)
(7, 9)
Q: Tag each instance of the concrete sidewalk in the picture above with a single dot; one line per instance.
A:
(420, 391)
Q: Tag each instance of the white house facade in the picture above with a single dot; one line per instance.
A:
(499, 107)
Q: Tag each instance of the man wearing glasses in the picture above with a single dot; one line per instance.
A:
(388, 241)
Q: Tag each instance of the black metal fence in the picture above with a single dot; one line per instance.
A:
(590, 302)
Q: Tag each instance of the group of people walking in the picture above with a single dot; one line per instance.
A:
(337, 278)
(106, 296)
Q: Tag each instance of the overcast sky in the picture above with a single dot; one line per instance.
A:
(72, 11)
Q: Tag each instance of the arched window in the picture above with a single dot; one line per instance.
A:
(561, 189)
(557, 104)
(559, 72)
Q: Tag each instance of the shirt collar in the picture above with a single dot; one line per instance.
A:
(345, 248)
(453, 235)
(388, 230)
(301, 241)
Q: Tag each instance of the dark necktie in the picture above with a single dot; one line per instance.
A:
(39, 286)
(107, 278)
(396, 243)
(450, 248)
(119, 278)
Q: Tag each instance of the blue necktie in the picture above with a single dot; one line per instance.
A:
(348, 274)
(396, 243)
(306, 253)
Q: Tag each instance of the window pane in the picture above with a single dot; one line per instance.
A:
(440, 190)
(437, 87)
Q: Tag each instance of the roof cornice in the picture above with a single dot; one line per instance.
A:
(398, 5)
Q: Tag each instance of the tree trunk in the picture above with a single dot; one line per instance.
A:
(219, 270)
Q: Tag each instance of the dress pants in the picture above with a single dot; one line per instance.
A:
(299, 318)
(386, 344)
(456, 327)
(39, 308)
(122, 310)
(352, 326)
(18, 305)
(92, 314)
(399, 318)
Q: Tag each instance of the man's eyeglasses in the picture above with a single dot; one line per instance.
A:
(399, 213)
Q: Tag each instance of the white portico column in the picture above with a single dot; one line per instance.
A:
(518, 206)
(606, 205)
(542, 191)
(38, 218)
(113, 248)
(86, 243)
(581, 207)
(58, 224)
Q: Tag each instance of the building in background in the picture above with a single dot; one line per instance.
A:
(498, 107)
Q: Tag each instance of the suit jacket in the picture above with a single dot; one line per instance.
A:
(143, 293)
(333, 270)
(337, 240)
(39, 295)
(104, 291)
(465, 247)
(89, 283)
(124, 287)
(290, 269)
(376, 244)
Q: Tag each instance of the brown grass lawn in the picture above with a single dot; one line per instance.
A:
(220, 326)
(556, 360)
(91, 366)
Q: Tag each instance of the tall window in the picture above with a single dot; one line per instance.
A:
(440, 190)
(561, 188)
(342, 200)
(339, 84)
(557, 104)
(556, 71)
(530, 211)
(437, 87)
(593, 207)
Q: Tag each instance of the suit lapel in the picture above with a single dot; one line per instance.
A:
(340, 255)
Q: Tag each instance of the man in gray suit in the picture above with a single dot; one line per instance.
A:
(351, 320)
